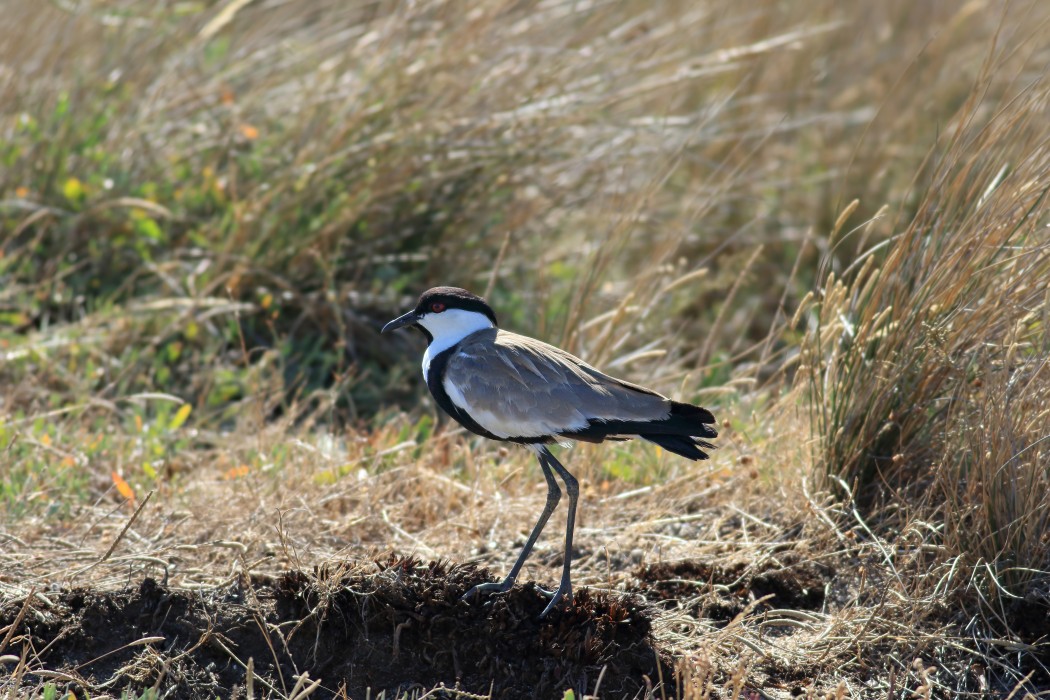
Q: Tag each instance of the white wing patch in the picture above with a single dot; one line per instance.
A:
(426, 364)
(456, 395)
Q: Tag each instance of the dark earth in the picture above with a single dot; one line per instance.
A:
(397, 625)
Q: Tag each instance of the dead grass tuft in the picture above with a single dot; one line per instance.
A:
(926, 366)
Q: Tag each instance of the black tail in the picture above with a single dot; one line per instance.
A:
(682, 432)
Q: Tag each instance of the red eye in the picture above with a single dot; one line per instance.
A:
(437, 307)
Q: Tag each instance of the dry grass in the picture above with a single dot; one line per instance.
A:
(211, 207)
(930, 366)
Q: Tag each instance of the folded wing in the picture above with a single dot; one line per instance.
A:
(518, 387)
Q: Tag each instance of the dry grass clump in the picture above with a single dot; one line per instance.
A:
(927, 369)
(959, 297)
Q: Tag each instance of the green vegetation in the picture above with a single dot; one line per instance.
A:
(828, 221)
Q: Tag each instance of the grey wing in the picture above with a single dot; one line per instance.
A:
(518, 387)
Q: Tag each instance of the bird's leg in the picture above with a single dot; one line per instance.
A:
(553, 496)
(572, 487)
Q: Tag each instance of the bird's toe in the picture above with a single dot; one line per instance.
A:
(562, 596)
(483, 588)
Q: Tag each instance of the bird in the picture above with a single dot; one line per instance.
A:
(513, 388)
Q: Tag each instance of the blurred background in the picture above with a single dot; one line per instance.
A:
(224, 201)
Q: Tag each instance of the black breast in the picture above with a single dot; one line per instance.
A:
(436, 384)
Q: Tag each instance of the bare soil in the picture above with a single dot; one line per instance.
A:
(394, 624)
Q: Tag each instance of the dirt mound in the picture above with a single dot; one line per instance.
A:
(396, 627)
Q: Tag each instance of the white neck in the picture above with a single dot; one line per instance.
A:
(448, 328)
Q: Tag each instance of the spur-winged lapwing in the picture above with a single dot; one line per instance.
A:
(513, 388)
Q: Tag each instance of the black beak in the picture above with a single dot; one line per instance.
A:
(409, 319)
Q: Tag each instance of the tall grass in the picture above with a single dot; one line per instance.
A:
(926, 364)
(181, 185)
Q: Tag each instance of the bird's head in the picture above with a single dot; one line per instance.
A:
(447, 313)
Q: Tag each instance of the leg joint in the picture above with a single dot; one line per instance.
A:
(571, 485)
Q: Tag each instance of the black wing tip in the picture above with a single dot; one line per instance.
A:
(681, 445)
(684, 432)
(692, 425)
(699, 418)
(688, 410)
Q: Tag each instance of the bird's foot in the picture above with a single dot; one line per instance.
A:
(543, 591)
(491, 587)
(559, 597)
(564, 593)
